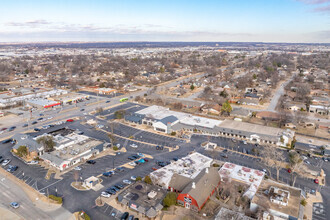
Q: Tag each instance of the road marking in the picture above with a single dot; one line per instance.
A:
(50, 185)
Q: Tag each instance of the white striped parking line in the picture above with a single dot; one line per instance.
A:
(30, 181)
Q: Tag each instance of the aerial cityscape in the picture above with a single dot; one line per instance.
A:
(165, 110)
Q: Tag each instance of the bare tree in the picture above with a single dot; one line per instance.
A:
(76, 176)
(296, 163)
(273, 157)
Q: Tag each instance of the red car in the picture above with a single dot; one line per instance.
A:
(69, 120)
(145, 159)
(289, 170)
(154, 168)
(316, 181)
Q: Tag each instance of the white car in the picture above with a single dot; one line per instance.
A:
(118, 145)
(105, 194)
(32, 162)
(133, 178)
(5, 162)
(14, 205)
(133, 145)
(77, 168)
(141, 155)
(132, 163)
(127, 182)
(49, 118)
(244, 142)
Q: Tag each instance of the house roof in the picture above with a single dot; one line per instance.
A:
(205, 183)
(179, 182)
(26, 140)
(240, 112)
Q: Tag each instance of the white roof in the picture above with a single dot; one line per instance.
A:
(189, 166)
(42, 102)
(246, 175)
(159, 112)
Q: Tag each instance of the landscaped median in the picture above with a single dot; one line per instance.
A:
(56, 199)
(81, 215)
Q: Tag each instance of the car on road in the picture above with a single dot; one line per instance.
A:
(14, 205)
(124, 216)
(34, 122)
(3, 129)
(107, 101)
(105, 194)
(36, 129)
(39, 119)
(127, 182)
(307, 162)
(289, 170)
(45, 126)
(316, 181)
(80, 132)
(69, 120)
(91, 161)
(51, 117)
(12, 168)
(77, 168)
(82, 109)
(12, 128)
(133, 178)
(224, 155)
(5, 162)
(25, 125)
(33, 162)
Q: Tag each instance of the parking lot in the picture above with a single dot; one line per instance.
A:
(319, 211)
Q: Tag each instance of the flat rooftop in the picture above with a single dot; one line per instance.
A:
(189, 167)
(251, 128)
(262, 199)
(42, 102)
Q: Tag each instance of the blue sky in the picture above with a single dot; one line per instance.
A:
(158, 20)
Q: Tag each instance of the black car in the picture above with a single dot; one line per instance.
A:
(124, 216)
(25, 125)
(175, 158)
(107, 101)
(34, 122)
(224, 155)
(159, 148)
(114, 188)
(120, 169)
(131, 217)
(119, 186)
(131, 158)
(91, 161)
(12, 168)
(37, 129)
(107, 174)
(12, 128)
(111, 191)
(82, 109)
(39, 119)
(6, 141)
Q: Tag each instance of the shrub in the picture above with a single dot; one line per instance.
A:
(173, 133)
(22, 151)
(138, 178)
(147, 180)
(115, 148)
(170, 199)
(57, 199)
(216, 165)
(84, 216)
(303, 202)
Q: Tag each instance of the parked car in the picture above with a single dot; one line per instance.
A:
(34, 122)
(3, 129)
(124, 216)
(146, 159)
(6, 141)
(159, 148)
(12, 128)
(33, 162)
(134, 146)
(140, 154)
(244, 142)
(82, 109)
(127, 182)
(111, 191)
(91, 161)
(25, 125)
(131, 217)
(233, 140)
(316, 181)
(131, 158)
(141, 161)
(39, 119)
(132, 163)
(133, 178)
(120, 169)
(14, 205)
(12, 168)
(5, 162)
(107, 174)
(289, 170)
(36, 129)
(77, 168)
(105, 194)
(119, 186)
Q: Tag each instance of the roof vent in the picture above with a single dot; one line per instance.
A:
(207, 170)
(193, 185)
